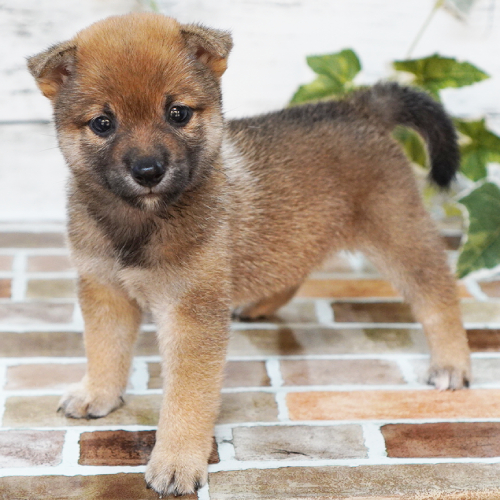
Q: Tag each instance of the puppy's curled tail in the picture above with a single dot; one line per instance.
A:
(394, 105)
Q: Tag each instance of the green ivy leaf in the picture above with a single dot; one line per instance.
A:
(335, 74)
(434, 73)
(412, 144)
(483, 147)
(341, 67)
(482, 248)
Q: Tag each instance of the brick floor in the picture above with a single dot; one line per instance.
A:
(326, 400)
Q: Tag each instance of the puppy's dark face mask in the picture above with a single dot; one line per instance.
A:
(137, 105)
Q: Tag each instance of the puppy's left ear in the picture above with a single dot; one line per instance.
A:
(211, 47)
(53, 67)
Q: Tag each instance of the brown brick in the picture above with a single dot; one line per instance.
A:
(443, 440)
(44, 376)
(452, 242)
(40, 411)
(385, 405)
(340, 371)
(341, 288)
(355, 288)
(248, 407)
(374, 482)
(51, 289)
(5, 288)
(299, 442)
(101, 487)
(6, 262)
(237, 374)
(372, 312)
(491, 288)
(33, 344)
(484, 340)
(33, 313)
(480, 312)
(287, 341)
(120, 448)
(31, 240)
(30, 448)
(48, 263)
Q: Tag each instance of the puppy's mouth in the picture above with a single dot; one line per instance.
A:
(150, 198)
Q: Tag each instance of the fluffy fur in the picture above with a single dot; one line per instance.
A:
(246, 209)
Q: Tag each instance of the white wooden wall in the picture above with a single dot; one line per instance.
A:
(272, 39)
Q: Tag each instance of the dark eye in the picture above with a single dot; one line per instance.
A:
(101, 125)
(179, 115)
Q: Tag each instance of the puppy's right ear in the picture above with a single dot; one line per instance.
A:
(53, 67)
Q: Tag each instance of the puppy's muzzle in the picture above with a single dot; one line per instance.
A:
(148, 172)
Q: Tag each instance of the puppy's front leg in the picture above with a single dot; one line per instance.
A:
(111, 324)
(192, 335)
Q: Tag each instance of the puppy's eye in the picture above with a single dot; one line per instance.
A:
(179, 115)
(101, 125)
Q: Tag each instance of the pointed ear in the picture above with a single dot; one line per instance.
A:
(52, 68)
(209, 46)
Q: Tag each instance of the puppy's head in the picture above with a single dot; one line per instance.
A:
(137, 104)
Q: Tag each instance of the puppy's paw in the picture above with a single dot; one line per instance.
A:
(448, 377)
(170, 475)
(79, 402)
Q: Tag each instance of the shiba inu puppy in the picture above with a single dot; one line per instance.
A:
(174, 210)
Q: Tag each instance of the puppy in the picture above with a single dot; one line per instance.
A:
(175, 210)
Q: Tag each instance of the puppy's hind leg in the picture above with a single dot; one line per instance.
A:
(266, 307)
(400, 238)
(111, 324)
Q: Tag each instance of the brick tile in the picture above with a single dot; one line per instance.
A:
(44, 376)
(101, 487)
(287, 341)
(374, 482)
(296, 312)
(299, 442)
(372, 312)
(484, 340)
(237, 374)
(384, 405)
(51, 289)
(32, 344)
(30, 448)
(484, 370)
(40, 411)
(48, 263)
(6, 262)
(248, 407)
(33, 313)
(355, 288)
(31, 240)
(5, 288)
(480, 312)
(491, 288)
(120, 448)
(322, 288)
(324, 372)
(442, 440)
(147, 344)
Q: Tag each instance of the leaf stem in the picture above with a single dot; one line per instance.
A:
(437, 5)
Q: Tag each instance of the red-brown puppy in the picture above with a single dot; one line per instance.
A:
(173, 210)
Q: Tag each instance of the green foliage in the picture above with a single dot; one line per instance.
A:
(482, 248)
(481, 147)
(335, 75)
(478, 145)
(434, 73)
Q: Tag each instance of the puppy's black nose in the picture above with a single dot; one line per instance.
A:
(148, 172)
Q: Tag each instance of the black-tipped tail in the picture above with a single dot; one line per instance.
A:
(397, 105)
